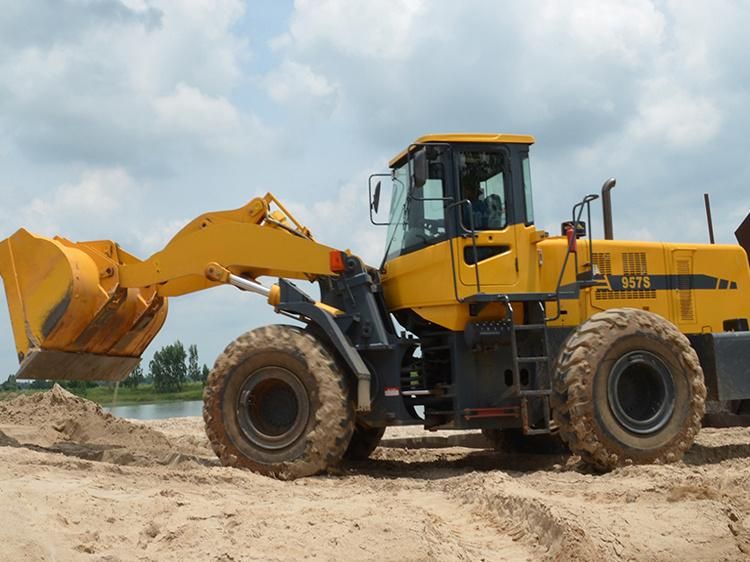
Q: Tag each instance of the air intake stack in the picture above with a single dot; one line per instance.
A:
(607, 207)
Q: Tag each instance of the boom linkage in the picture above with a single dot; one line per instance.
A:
(250, 242)
(88, 310)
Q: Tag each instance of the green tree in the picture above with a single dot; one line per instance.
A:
(134, 378)
(41, 384)
(77, 387)
(193, 369)
(204, 373)
(10, 383)
(168, 368)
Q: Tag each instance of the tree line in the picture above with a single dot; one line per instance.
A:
(171, 367)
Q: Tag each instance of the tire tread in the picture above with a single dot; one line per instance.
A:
(334, 418)
(573, 408)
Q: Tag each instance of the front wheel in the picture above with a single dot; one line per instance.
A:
(277, 403)
(628, 388)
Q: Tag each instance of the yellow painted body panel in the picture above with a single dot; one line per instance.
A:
(466, 137)
(424, 280)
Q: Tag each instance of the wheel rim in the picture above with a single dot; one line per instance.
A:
(273, 408)
(641, 392)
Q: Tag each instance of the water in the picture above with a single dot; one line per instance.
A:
(174, 410)
(158, 411)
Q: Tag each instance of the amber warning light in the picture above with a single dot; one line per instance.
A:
(336, 261)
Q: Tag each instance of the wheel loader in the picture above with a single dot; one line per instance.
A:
(475, 319)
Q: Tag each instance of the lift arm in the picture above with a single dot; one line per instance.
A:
(88, 310)
(250, 242)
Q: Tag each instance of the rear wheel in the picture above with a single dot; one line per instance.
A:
(364, 441)
(277, 403)
(628, 388)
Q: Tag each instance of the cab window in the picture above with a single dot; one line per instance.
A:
(417, 218)
(483, 184)
(528, 203)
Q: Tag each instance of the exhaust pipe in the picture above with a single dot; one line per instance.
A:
(607, 207)
(710, 222)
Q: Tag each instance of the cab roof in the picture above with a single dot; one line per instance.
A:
(466, 137)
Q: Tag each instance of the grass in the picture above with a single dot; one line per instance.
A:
(144, 394)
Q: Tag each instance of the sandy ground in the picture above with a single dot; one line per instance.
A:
(79, 484)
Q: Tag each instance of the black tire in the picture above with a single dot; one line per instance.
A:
(495, 438)
(277, 403)
(514, 441)
(628, 388)
(741, 407)
(364, 441)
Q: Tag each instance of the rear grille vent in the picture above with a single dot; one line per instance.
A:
(633, 264)
(603, 262)
(684, 290)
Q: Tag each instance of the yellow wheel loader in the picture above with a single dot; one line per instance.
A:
(475, 319)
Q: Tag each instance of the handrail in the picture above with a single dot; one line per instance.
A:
(474, 246)
(585, 202)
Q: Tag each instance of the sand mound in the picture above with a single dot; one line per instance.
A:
(64, 422)
(445, 504)
(7, 441)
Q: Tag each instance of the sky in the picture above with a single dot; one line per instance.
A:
(125, 119)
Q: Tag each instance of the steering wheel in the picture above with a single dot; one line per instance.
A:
(432, 226)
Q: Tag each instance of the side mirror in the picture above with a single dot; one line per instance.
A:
(580, 228)
(375, 198)
(375, 202)
(419, 169)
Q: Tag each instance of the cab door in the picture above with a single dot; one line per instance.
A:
(496, 259)
(485, 182)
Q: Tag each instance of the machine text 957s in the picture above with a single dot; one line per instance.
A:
(636, 282)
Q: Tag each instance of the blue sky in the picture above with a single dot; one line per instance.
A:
(124, 119)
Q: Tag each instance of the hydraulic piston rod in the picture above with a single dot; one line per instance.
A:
(248, 285)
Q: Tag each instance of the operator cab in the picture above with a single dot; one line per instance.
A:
(455, 186)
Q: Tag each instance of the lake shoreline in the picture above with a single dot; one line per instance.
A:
(105, 395)
(157, 411)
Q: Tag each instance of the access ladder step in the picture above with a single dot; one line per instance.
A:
(536, 392)
(529, 327)
(479, 413)
(537, 359)
(540, 431)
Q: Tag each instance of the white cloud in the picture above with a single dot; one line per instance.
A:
(153, 238)
(126, 83)
(82, 208)
(298, 83)
(280, 42)
(670, 114)
(193, 117)
(628, 30)
(341, 219)
(367, 29)
(189, 110)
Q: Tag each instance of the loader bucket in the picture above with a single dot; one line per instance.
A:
(71, 319)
